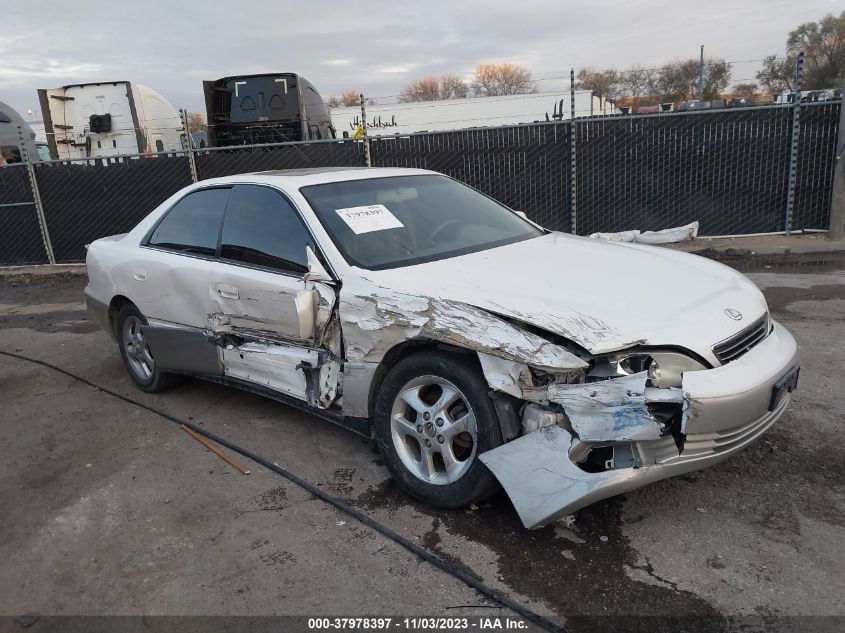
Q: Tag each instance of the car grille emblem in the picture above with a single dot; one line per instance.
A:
(736, 315)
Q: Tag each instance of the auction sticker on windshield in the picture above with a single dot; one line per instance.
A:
(373, 217)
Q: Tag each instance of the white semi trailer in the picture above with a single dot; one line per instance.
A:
(109, 119)
(457, 114)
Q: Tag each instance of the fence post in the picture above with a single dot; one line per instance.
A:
(793, 147)
(364, 127)
(36, 197)
(572, 183)
(192, 160)
(837, 201)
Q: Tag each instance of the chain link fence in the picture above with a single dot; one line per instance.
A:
(212, 163)
(21, 240)
(86, 200)
(816, 152)
(525, 167)
(728, 169)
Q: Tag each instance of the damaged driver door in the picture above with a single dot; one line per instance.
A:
(267, 320)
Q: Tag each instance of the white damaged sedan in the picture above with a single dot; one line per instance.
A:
(475, 347)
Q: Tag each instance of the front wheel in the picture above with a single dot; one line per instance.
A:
(433, 419)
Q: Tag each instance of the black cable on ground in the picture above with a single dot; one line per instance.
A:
(341, 505)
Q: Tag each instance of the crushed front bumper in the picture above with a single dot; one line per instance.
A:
(726, 409)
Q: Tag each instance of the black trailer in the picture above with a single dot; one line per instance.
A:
(267, 108)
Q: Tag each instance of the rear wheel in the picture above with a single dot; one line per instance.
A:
(433, 419)
(136, 354)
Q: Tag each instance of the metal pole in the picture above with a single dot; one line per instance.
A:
(837, 202)
(364, 127)
(36, 196)
(572, 150)
(192, 160)
(793, 147)
(701, 76)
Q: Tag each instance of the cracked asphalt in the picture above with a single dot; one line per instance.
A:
(109, 509)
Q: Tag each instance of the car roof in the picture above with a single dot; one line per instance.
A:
(317, 175)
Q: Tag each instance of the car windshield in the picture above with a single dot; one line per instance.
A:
(397, 221)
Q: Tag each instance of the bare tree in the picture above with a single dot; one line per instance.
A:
(434, 88)
(492, 80)
(425, 89)
(351, 98)
(334, 101)
(637, 82)
(196, 122)
(604, 82)
(823, 43)
(453, 87)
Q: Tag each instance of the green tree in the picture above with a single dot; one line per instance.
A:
(679, 80)
(777, 74)
(823, 43)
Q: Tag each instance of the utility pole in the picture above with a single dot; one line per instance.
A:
(701, 75)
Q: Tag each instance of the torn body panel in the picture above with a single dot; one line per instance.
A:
(302, 373)
(375, 321)
(253, 309)
(608, 410)
(283, 339)
(544, 484)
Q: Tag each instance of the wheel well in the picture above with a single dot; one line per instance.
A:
(117, 303)
(403, 350)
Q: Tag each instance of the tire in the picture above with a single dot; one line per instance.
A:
(136, 355)
(419, 386)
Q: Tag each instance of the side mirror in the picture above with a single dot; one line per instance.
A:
(316, 271)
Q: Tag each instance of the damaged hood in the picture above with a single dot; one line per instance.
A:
(604, 296)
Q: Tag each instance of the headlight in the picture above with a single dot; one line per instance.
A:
(665, 369)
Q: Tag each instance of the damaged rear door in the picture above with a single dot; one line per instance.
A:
(169, 284)
(266, 319)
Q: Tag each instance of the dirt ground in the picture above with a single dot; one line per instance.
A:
(106, 508)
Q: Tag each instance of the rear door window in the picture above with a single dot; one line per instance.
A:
(193, 224)
(263, 229)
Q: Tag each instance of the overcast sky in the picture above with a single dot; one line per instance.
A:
(374, 47)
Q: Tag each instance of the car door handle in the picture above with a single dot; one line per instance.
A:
(227, 292)
(139, 274)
